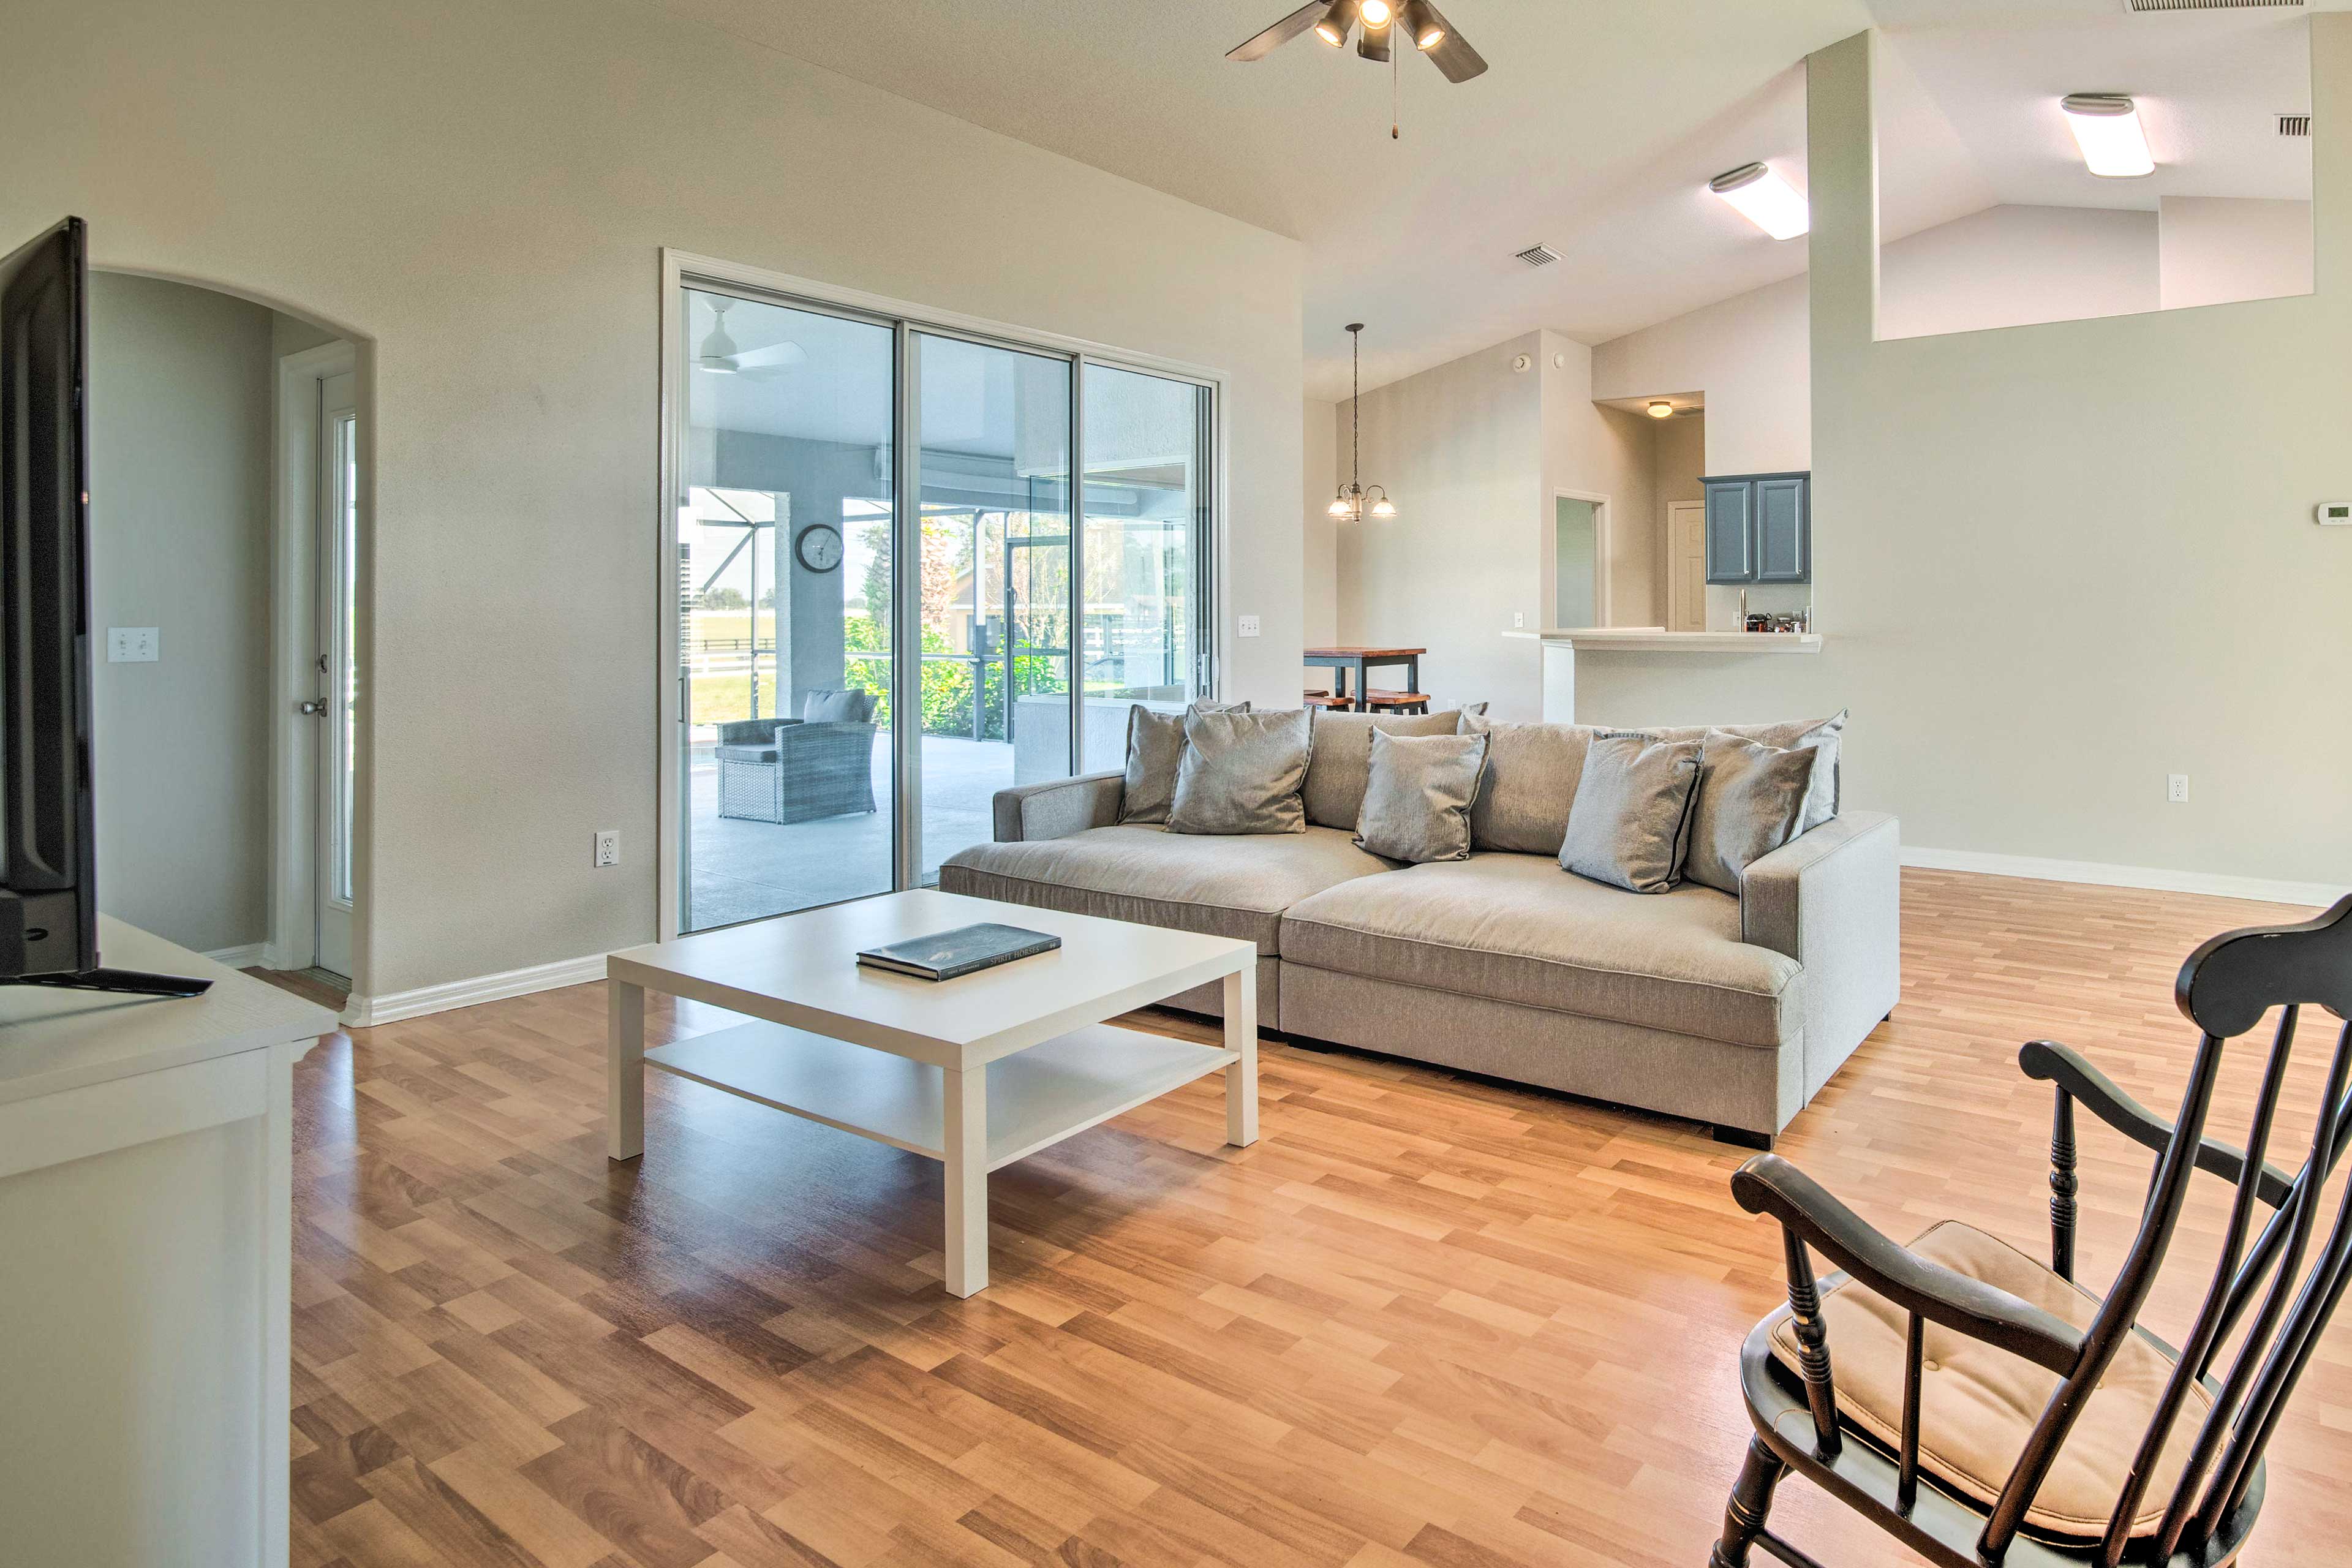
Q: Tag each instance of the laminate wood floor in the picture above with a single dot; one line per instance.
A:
(1424, 1320)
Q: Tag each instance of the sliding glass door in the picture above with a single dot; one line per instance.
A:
(856, 681)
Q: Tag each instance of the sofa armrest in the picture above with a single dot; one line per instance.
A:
(1833, 901)
(1059, 807)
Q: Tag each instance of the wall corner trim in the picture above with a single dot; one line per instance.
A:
(366, 1012)
(2103, 874)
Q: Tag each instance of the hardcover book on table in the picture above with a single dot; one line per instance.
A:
(946, 955)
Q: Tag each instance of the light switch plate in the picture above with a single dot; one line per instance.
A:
(1249, 625)
(133, 645)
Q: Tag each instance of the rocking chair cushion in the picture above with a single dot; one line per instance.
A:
(1977, 1404)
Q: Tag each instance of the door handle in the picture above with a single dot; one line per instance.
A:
(312, 709)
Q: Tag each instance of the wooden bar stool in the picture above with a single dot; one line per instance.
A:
(1396, 702)
(1325, 699)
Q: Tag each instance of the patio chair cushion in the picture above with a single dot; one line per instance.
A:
(1977, 1404)
(748, 754)
(855, 705)
(1224, 886)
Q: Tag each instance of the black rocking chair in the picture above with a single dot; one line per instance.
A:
(1986, 1410)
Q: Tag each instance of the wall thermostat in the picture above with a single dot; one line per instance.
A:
(2333, 514)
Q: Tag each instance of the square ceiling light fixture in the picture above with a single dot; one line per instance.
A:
(2107, 128)
(1760, 196)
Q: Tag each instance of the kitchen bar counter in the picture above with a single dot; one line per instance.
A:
(1562, 646)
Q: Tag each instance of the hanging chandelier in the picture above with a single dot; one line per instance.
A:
(1354, 500)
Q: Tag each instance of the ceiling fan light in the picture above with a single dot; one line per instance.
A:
(2107, 128)
(1336, 22)
(1420, 20)
(1375, 14)
(1759, 193)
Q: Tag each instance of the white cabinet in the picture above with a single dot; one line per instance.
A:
(145, 1234)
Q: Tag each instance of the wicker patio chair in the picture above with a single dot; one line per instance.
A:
(797, 770)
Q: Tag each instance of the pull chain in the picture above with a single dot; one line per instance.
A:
(1396, 91)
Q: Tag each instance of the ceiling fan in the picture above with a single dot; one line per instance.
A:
(1333, 20)
(720, 356)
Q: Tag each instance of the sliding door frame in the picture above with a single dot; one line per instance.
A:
(681, 271)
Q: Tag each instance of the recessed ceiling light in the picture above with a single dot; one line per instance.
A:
(2107, 127)
(1760, 196)
(1662, 409)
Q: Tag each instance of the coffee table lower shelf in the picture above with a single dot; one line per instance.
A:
(1037, 1097)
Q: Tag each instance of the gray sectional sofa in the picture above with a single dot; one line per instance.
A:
(1729, 1011)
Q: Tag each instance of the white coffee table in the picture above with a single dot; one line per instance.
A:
(975, 1072)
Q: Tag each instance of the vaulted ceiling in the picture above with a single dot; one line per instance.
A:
(1594, 133)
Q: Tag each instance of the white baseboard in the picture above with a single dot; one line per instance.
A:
(251, 954)
(366, 1012)
(2099, 873)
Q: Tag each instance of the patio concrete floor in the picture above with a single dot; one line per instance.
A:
(748, 871)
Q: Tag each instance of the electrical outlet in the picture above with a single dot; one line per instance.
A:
(608, 846)
(133, 645)
(2175, 788)
(1249, 625)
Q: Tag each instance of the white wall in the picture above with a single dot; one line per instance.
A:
(1461, 448)
(181, 383)
(2218, 250)
(2043, 591)
(479, 195)
(1324, 449)
(1598, 451)
(1750, 354)
(2015, 265)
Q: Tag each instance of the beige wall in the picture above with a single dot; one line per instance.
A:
(1460, 446)
(2015, 265)
(180, 540)
(2043, 589)
(2218, 250)
(479, 195)
(1749, 355)
(1324, 448)
(1597, 451)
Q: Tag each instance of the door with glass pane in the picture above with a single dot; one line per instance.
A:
(786, 567)
(337, 561)
(994, 469)
(1144, 550)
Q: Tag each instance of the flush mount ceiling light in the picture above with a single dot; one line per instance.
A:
(2107, 127)
(1332, 20)
(1660, 409)
(1354, 500)
(1759, 193)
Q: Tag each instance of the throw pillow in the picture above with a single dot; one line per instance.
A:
(1827, 796)
(853, 707)
(1418, 796)
(1751, 800)
(1631, 816)
(1155, 745)
(1531, 775)
(1343, 759)
(1242, 773)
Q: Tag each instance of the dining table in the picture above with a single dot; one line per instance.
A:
(1348, 660)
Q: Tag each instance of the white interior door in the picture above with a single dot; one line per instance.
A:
(337, 691)
(1686, 566)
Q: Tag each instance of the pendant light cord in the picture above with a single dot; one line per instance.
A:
(1356, 409)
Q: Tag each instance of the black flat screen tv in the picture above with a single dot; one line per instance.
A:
(48, 875)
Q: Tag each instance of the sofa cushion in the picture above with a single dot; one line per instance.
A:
(1342, 762)
(1532, 772)
(1236, 886)
(1517, 928)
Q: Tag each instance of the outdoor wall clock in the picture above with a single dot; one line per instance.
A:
(818, 546)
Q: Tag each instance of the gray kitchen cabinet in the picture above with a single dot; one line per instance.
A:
(1759, 528)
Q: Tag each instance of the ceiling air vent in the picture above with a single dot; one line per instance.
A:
(2295, 124)
(1539, 256)
(2210, 5)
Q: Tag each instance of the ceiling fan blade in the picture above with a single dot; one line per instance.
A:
(1372, 43)
(1454, 54)
(1281, 33)
(774, 356)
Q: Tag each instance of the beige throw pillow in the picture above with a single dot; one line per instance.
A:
(1242, 773)
(1343, 759)
(1417, 799)
(1826, 797)
(1155, 745)
(1531, 775)
(1751, 800)
(1631, 814)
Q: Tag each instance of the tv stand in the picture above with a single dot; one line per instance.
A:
(128, 981)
